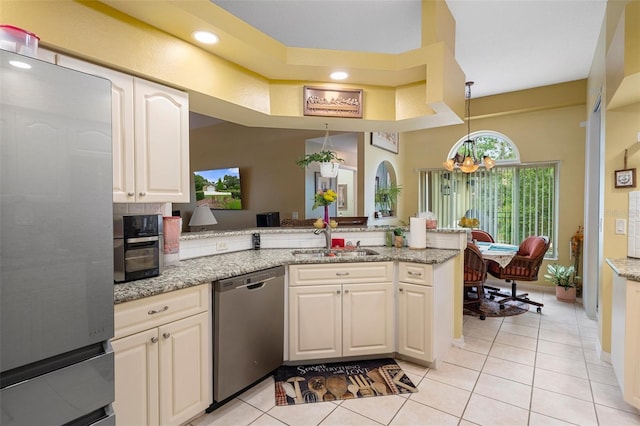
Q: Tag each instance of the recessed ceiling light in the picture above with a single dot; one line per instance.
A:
(20, 64)
(206, 37)
(339, 75)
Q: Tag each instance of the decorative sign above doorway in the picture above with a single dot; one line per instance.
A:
(327, 102)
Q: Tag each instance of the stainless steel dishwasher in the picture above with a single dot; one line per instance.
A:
(248, 328)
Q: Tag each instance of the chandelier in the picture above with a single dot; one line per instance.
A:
(466, 159)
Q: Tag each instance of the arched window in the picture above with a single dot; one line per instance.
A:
(511, 201)
(491, 143)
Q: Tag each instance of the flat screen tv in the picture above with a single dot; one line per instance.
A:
(219, 188)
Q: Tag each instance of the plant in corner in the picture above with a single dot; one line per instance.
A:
(386, 197)
(564, 278)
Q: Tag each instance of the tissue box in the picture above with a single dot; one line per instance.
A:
(337, 242)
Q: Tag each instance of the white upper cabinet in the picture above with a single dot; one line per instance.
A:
(150, 125)
(161, 143)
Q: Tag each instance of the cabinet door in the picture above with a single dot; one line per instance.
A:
(121, 125)
(161, 143)
(136, 379)
(415, 322)
(367, 319)
(631, 388)
(315, 322)
(185, 369)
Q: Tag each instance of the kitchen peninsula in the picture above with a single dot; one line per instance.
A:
(165, 332)
(209, 256)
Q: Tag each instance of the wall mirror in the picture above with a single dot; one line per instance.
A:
(386, 190)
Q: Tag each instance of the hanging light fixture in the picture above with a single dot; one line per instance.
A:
(466, 159)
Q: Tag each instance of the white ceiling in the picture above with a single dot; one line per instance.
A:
(501, 45)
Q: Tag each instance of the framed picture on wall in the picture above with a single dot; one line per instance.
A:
(342, 196)
(385, 140)
(625, 178)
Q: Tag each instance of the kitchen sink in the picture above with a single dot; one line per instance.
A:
(310, 254)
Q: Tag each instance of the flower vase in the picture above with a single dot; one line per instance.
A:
(326, 214)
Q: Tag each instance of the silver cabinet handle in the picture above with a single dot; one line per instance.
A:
(346, 291)
(337, 291)
(401, 290)
(154, 340)
(157, 311)
(166, 335)
(130, 194)
(341, 274)
(417, 274)
(142, 194)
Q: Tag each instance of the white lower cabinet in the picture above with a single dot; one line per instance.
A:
(163, 366)
(338, 310)
(625, 338)
(425, 311)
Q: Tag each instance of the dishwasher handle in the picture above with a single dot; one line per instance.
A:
(254, 286)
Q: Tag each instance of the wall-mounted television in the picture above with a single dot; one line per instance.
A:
(218, 188)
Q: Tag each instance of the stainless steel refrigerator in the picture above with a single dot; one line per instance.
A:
(56, 245)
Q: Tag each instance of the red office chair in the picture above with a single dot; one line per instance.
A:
(475, 274)
(480, 235)
(523, 267)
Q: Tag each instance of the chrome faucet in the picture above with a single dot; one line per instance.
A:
(327, 234)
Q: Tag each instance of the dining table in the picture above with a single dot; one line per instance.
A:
(499, 253)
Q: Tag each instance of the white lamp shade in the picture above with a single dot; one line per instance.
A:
(202, 216)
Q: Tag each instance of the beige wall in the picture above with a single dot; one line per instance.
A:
(270, 178)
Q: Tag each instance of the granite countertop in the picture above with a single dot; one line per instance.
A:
(626, 267)
(188, 273)
(294, 230)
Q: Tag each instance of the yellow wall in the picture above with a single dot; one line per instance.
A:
(547, 135)
(93, 31)
(615, 74)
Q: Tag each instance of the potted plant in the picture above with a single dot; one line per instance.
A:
(387, 198)
(398, 237)
(564, 277)
(329, 162)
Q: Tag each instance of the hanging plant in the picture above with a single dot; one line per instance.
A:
(325, 156)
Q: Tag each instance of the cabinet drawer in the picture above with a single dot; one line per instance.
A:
(415, 273)
(340, 273)
(142, 314)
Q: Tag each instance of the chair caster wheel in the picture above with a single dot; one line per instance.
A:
(501, 306)
(482, 317)
(538, 309)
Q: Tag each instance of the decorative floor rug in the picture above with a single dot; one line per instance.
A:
(491, 308)
(342, 380)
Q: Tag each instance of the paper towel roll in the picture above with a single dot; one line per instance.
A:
(417, 232)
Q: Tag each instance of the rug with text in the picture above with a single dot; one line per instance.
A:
(302, 384)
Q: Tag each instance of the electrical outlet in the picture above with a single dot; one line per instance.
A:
(621, 226)
(222, 245)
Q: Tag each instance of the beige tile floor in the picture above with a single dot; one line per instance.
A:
(530, 369)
